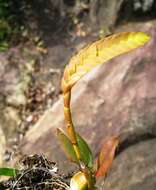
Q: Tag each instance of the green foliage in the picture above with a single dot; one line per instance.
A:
(67, 146)
(86, 153)
(6, 20)
(4, 8)
(5, 30)
(8, 172)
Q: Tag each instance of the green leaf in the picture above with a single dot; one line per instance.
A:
(86, 154)
(67, 146)
(8, 172)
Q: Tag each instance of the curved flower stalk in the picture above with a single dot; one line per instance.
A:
(88, 58)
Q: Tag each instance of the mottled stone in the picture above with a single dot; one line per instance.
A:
(2, 146)
(14, 78)
(16, 66)
(133, 169)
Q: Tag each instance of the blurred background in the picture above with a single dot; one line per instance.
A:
(37, 39)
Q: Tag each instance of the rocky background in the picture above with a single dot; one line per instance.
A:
(116, 98)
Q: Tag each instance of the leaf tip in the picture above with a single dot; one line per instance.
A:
(142, 37)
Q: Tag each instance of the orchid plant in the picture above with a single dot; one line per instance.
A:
(75, 147)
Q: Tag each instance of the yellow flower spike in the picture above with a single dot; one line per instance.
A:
(79, 182)
(100, 52)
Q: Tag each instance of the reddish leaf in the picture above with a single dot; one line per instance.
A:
(106, 156)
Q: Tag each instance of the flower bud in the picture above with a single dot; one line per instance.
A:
(79, 182)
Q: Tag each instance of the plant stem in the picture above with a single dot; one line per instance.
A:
(70, 127)
(72, 135)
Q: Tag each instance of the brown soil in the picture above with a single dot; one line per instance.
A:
(37, 173)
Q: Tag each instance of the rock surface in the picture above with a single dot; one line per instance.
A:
(2, 146)
(108, 13)
(15, 77)
(116, 98)
(133, 169)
